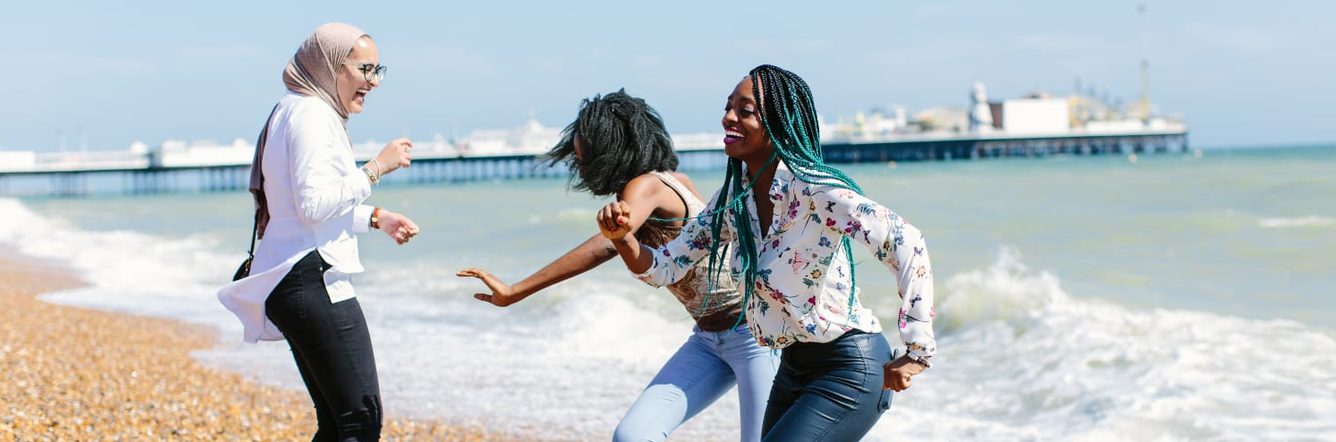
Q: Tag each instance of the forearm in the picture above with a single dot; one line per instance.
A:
(638, 259)
(901, 247)
(590, 254)
(915, 281)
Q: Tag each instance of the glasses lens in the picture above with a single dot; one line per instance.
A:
(372, 71)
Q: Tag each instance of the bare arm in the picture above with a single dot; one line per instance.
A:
(613, 224)
(585, 257)
(590, 254)
(646, 191)
(642, 197)
(668, 263)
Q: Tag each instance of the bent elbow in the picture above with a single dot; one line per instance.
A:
(310, 212)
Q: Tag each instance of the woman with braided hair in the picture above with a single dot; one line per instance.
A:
(786, 221)
(618, 146)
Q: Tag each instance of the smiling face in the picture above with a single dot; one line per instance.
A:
(351, 82)
(744, 134)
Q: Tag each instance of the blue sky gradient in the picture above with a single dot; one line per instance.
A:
(1240, 72)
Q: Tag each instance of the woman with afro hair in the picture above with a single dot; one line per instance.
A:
(618, 146)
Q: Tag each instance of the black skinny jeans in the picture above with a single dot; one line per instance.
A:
(333, 351)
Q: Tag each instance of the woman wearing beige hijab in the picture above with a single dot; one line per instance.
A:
(309, 195)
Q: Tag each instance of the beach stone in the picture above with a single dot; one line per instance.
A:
(81, 374)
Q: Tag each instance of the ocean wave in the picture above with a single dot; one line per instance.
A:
(1024, 360)
(1020, 357)
(118, 259)
(577, 354)
(1306, 221)
(1005, 290)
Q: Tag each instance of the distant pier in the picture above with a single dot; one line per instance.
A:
(73, 175)
(990, 146)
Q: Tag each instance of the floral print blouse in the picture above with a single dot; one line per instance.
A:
(802, 291)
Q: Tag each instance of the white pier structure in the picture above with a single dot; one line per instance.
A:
(1031, 126)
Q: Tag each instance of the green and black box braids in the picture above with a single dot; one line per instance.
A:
(788, 114)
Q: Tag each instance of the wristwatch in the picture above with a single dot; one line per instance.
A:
(375, 218)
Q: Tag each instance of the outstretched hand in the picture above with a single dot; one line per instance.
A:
(502, 295)
(898, 373)
(614, 220)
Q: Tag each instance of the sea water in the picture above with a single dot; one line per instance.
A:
(1173, 296)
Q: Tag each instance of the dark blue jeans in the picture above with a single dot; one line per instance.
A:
(333, 351)
(830, 391)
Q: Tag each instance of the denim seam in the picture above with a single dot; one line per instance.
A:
(301, 300)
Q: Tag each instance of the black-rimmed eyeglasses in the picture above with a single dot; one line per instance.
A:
(371, 71)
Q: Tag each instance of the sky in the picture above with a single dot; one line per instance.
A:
(106, 74)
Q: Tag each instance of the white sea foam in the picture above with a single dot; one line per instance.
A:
(1305, 221)
(1021, 359)
(126, 270)
(567, 363)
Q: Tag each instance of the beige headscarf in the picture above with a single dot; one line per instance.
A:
(311, 72)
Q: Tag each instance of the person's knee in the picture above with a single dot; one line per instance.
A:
(637, 431)
(641, 424)
(654, 415)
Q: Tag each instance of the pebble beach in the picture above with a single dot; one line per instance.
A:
(80, 374)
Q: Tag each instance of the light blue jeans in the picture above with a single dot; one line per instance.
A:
(701, 371)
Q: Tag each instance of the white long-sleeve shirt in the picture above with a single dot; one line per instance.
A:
(802, 291)
(315, 192)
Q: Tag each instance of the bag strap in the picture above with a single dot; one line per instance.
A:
(255, 230)
(259, 142)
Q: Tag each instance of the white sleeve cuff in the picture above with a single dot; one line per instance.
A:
(920, 357)
(362, 218)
